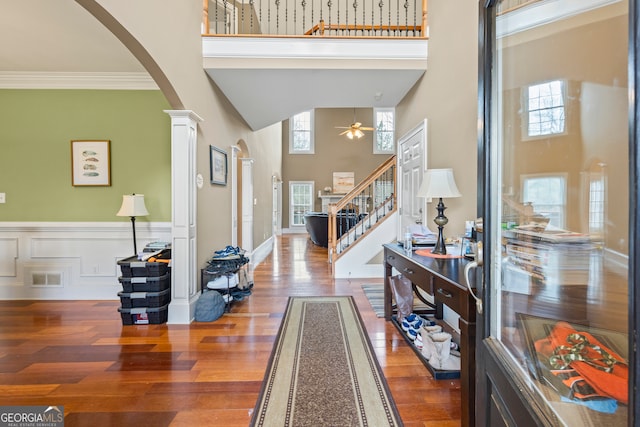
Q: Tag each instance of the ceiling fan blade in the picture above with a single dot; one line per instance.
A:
(343, 127)
(365, 128)
(345, 132)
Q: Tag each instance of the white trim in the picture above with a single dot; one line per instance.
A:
(87, 254)
(542, 13)
(300, 48)
(76, 80)
(262, 252)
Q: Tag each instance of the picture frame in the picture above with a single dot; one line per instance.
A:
(217, 165)
(343, 182)
(91, 163)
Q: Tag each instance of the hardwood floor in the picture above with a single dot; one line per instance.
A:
(78, 355)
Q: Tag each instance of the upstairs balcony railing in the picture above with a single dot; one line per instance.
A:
(315, 18)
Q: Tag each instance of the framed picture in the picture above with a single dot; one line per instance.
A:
(343, 182)
(218, 165)
(90, 163)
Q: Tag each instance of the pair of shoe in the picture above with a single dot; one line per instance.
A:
(229, 252)
(411, 325)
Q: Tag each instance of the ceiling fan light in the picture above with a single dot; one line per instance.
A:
(359, 133)
(350, 134)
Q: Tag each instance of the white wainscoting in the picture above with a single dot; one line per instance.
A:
(69, 260)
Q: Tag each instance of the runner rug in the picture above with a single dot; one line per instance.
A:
(323, 371)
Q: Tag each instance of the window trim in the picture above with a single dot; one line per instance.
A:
(376, 147)
(311, 149)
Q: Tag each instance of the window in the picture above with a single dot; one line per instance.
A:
(384, 122)
(545, 109)
(547, 195)
(596, 204)
(300, 201)
(301, 133)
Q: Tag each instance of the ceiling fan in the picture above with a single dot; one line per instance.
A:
(355, 129)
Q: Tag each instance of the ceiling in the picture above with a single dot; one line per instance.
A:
(265, 81)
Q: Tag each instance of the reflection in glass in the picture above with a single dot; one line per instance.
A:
(560, 135)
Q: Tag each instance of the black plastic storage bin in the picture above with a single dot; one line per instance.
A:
(145, 299)
(145, 284)
(144, 315)
(132, 267)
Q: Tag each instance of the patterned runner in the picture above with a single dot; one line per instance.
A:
(323, 371)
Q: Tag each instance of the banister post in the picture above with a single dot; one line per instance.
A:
(424, 18)
(205, 16)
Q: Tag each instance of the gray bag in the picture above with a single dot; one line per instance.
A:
(402, 294)
(209, 307)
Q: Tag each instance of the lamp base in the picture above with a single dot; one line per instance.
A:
(440, 248)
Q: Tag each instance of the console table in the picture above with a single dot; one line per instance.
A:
(444, 279)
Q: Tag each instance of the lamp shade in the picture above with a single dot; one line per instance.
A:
(438, 183)
(133, 205)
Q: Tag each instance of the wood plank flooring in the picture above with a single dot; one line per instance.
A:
(78, 354)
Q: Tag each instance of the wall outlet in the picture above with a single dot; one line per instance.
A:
(3, 198)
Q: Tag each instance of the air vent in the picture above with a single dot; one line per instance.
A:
(46, 279)
(46, 276)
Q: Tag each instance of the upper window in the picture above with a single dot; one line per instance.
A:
(384, 120)
(301, 133)
(545, 109)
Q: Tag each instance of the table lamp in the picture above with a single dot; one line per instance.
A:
(439, 183)
(133, 206)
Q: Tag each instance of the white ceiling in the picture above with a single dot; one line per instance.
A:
(265, 83)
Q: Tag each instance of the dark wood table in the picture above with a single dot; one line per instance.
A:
(444, 279)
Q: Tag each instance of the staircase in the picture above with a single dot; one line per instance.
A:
(365, 219)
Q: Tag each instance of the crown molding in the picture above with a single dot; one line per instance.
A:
(76, 80)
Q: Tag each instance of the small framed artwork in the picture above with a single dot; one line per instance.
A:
(343, 182)
(218, 165)
(90, 163)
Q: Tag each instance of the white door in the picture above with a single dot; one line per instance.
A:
(276, 200)
(247, 205)
(412, 162)
(234, 195)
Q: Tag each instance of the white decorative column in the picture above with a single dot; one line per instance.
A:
(184, 282)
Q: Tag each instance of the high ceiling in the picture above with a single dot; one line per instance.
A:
(57, 37)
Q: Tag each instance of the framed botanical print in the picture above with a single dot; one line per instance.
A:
(90, 163)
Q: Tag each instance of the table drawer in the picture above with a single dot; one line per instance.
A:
(418, 275)
(451, 295)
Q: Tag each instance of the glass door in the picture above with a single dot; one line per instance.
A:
(554, 341)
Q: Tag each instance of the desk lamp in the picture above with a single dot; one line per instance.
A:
(439, 183)
(133, 206)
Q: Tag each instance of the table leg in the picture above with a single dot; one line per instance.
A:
(387, 292)
(467, 372)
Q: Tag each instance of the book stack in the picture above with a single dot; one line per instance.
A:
(549, 257)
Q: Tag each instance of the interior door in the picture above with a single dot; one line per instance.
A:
(412, 148)
(553, 340)
(247, 204)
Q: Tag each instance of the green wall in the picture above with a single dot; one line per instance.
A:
(36, 129)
